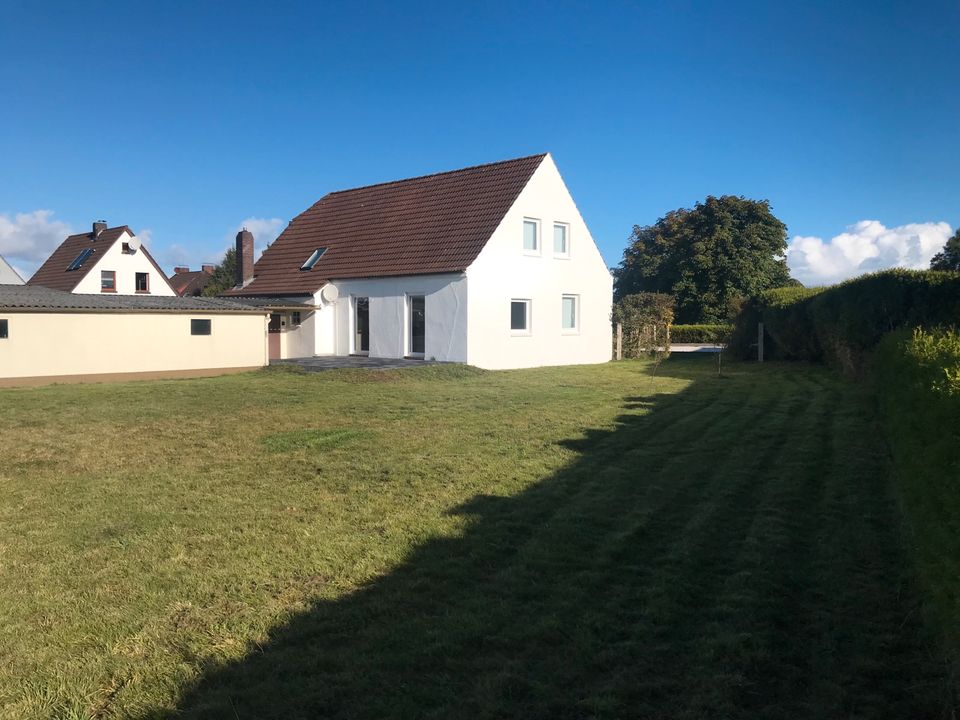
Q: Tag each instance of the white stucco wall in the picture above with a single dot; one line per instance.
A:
(125, 265)
(445, 298)
(297, 341)
(49, 344)
(504, 271)
(8, 276)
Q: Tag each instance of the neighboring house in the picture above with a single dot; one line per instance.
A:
(51, 335)
(490, 265)
(9, 276)
(106, 260)
(187, 283)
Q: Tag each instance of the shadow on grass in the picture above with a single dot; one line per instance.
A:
(693, 562)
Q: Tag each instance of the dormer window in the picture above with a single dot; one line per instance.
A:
(312, 260)
(80, 259)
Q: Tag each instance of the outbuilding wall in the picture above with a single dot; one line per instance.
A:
(74, 343)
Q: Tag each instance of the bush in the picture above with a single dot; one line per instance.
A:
(717, 334)
(645, 318)
(842, 324)
(917, 377)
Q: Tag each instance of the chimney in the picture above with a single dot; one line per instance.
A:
(208, 269)
(178, 270)
(98, 227)
(244, 258)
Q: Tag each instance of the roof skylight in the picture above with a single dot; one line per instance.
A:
(80, 259)
(314, 257)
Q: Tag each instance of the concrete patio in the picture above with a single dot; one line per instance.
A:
(335, 362)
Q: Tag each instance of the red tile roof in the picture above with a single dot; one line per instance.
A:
(54, 274)
(190, 283)
(430, 224)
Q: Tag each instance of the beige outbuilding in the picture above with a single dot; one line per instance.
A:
(50, 335)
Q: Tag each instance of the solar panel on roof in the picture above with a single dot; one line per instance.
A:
(80, 259)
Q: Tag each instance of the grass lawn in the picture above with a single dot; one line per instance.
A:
(443, 542)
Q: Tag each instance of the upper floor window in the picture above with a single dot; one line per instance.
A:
(531, 235)
(108, 281)
(561, 239)
(142, 282)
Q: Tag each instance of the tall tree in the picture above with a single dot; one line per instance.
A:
(224, 274)
(949, 257)
(708, 257)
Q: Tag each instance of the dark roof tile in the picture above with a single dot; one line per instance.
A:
(430, 224)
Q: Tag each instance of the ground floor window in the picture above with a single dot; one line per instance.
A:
(418, 324)
(3, 329)
(361, 325)
(571, 312)
(520, 317)
(199, 327)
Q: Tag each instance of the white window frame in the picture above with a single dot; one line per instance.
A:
(565, 255)
(528, 330)
(408, 322)
(575, 330)
(539, 249)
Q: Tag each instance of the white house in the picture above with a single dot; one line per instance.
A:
(9, 276)
(489, 265)
(106, 260)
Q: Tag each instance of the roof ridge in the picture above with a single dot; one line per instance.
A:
(89, 233)
(437, 174)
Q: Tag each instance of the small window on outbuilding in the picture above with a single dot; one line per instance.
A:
(295, 317)
(199, 327)
(313, 259)
(3, 330)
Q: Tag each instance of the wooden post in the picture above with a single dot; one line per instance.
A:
(760, 342)
(619, 341)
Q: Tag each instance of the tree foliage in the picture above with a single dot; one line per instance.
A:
(709, 257)
(646, 319)
(224, 275)
(949, 257)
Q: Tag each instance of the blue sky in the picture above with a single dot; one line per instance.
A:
(183, 120)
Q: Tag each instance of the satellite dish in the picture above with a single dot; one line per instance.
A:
(134, 243)
(329, 293)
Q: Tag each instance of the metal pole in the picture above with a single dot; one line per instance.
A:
(619, 341)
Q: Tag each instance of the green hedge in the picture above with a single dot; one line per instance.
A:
(917, 376)
(700, 333)
(842, 324)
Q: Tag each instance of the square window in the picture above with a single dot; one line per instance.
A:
(143, 283)
(108, 281)
(561, 240)
(199, 327)
(570, 320)
(3, 330)
(295, 317)
(520, 316)
(531, 232)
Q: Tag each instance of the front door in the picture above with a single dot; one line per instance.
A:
(418, 325)
(273, 337)
(361, 325)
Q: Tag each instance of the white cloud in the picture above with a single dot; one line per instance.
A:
(866, 246)
(29, 238)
